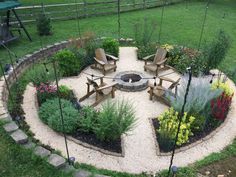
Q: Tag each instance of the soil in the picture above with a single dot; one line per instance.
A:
(226, 167)
(90, 138)
(197, 136)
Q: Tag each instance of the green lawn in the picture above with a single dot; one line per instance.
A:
(18, 162)
(180, 26)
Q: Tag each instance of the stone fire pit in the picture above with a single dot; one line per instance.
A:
(131, 81)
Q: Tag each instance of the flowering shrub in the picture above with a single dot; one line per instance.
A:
(45, 91)
(167, 130)
(220, 106)
(224, 86)
(167, 47)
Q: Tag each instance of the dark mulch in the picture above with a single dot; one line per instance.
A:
(197, 135)
(90, 138)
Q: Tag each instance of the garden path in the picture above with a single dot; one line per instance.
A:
(139, 145)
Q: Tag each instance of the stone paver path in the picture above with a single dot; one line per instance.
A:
(139, 145)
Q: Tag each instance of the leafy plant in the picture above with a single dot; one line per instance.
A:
(43, 24)
(45, 91)
(167, 130)
(87, 120)
(199, 96)
(65, 92)
(215, 52)
(224, 86)
(115, 119)
(143, 34)
(111, 46)
(70, 117)
(220, 106)
(69, 64)
(48, 108)
(200, 93)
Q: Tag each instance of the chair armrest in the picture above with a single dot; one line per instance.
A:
(149, 56)
(166, 79)
(161, 62)
(112, 57)
(158, 87)
(107, 86)
(99, 62)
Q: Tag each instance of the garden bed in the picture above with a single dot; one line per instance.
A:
(193, 139)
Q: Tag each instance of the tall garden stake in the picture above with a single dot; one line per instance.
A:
(118, 20)
(61, 113)
(203, 24)
(180, 117)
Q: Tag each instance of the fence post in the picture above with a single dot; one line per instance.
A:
(144, 4)
(85, 8)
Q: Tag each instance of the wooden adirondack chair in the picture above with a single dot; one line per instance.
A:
(158, 62)
(102, 62)
(160, 92)
(102, 91)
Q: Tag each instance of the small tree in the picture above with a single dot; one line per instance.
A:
(216, 51)
(43, 24)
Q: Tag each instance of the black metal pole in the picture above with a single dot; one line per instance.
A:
(162, 14)
(60, 107)
(203, 24)
(8, 87)
(180, 117)
(77, 18)
(12, 63)
(118, 15)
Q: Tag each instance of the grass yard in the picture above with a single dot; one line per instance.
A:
(18, 162)
(180, 26)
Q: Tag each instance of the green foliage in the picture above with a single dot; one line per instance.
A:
(181, 58)
(69, 64)
(38, 75)
(65, 92)
(143, 36)
(215, 52)
(198, 100)
(224, 86)
(70, 117)
(115, 119)
(87, 119)
(167, 130)
(43, 24)
(111, 46)
(144, 51)
(48, 108)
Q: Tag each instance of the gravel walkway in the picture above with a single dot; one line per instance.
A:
(139, 144)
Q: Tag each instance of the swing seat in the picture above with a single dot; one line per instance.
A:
(6, 35)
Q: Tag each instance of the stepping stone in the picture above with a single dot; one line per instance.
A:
(41, 151)
(101, 175)
(68, 168)
(56, 160)
(19, 137)
(10, 127)
(83, 173)
(29, 145)
(6, 119)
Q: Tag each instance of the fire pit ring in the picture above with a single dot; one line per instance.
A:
(131, 81)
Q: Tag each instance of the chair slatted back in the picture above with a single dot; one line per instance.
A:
(100, 55)
(160, 55)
